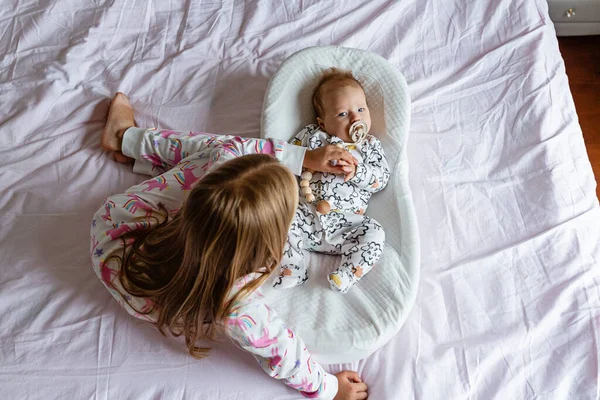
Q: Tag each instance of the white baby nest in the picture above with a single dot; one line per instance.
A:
(345, 328)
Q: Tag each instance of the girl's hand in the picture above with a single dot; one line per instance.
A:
(350, 387)
(318, 160)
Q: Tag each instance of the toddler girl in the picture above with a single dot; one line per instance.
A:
(189, 249)
(330, 218)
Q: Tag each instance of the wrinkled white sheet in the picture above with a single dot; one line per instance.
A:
(508, 304)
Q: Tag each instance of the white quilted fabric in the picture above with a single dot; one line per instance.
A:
(344, 328)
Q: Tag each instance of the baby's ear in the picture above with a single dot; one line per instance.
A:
(321, 123)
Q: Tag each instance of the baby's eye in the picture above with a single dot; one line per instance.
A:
(361, 109)
(342, 114)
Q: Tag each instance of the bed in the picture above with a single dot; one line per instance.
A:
(508, 302)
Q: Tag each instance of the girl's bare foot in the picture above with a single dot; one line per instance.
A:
(120, 118)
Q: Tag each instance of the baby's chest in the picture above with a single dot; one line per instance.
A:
(357, 154)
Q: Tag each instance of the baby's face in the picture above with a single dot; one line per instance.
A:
(341, 108)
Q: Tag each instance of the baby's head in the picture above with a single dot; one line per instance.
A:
(339, 101)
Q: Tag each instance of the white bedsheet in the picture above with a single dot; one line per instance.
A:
(508, 304)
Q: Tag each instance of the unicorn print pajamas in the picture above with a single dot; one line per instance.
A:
(181, 159)
(344, 231)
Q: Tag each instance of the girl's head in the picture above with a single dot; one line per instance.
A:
(234, 222)
(339, 101)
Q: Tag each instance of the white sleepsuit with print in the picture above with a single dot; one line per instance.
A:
(345, 230)
(186, 157)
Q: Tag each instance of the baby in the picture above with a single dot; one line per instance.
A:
(329, 218)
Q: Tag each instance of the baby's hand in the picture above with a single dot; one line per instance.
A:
(350, 174)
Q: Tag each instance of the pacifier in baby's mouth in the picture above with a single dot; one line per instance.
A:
(358, 131)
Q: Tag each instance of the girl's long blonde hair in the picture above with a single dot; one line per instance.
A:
(234, 222)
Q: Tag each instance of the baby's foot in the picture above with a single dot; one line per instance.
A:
(344, 278)
(290, 276)
(120, 118)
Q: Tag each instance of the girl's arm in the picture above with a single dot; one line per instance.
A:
(319, 158)
(257, 329)
(287, 154)
(156, 151)
(374, 173)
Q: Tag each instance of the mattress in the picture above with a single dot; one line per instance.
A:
(348, 328)
(509, 223)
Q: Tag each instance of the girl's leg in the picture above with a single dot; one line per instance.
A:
(362, 245)
(120, 118)
(154, 151)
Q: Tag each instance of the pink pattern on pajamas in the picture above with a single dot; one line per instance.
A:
(188, 157)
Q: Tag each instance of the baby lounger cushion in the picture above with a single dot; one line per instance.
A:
(343, 328)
